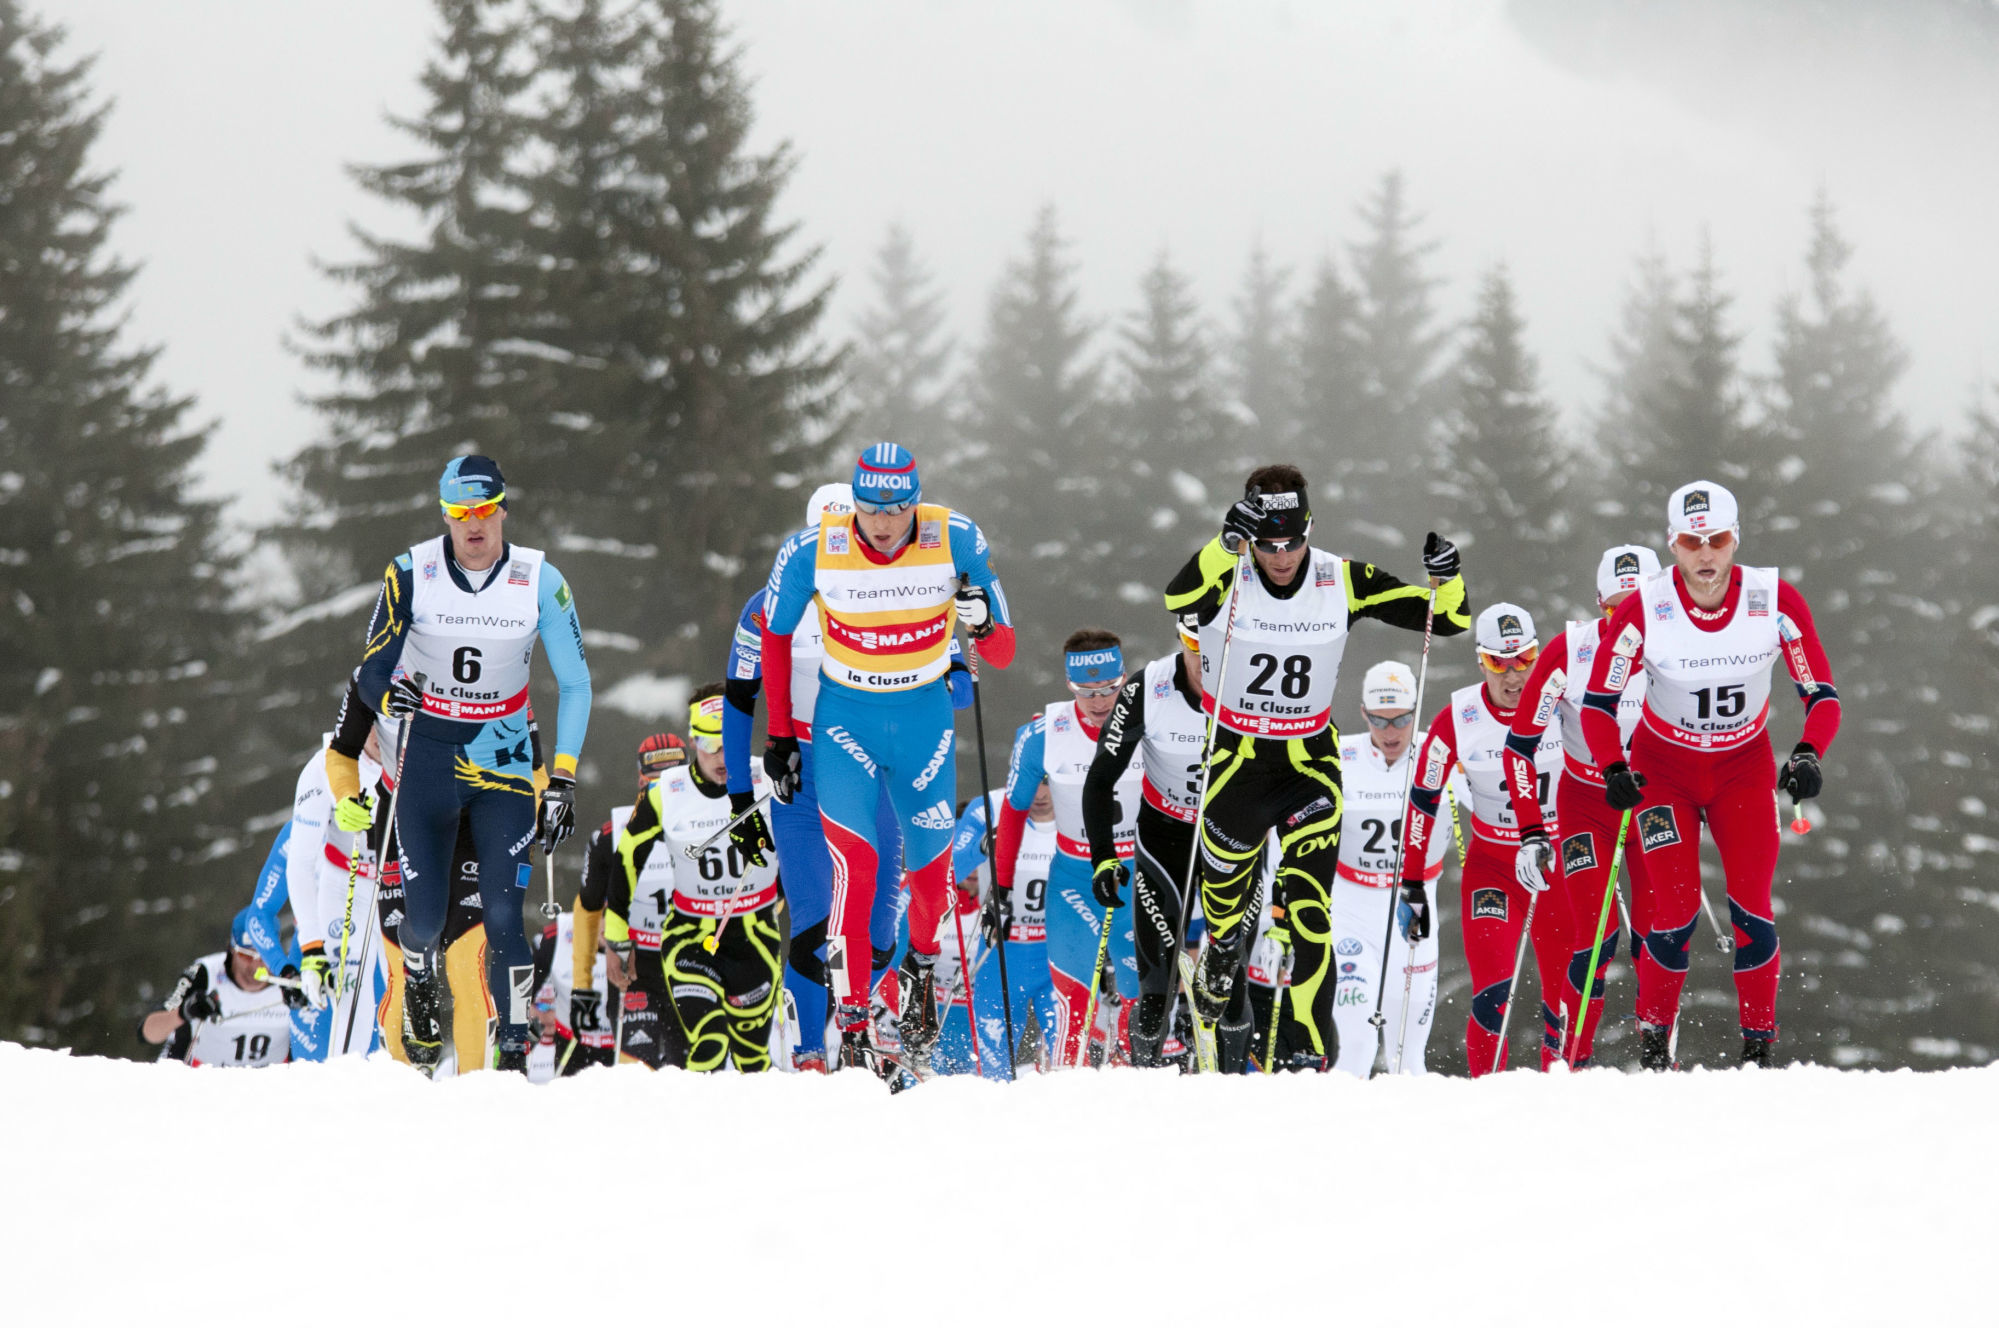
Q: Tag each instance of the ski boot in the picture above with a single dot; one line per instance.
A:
(916, 1020)
(423, 1022)
(513, 1058)
(1756, 1051)
(1148, 1031)
(858, 1050)
(1214, 982)
(1655, 1046)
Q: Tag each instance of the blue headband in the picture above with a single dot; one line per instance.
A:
(1086, 667)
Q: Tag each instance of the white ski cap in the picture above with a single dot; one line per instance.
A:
(1389, 685)
(1622, 568)
(1505, 629)
(1701, 508)
(829, 500)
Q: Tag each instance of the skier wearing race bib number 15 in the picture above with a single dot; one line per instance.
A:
(1276, 760)
(464, 612)
(1707, 634)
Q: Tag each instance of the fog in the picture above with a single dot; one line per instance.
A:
(1540, 133)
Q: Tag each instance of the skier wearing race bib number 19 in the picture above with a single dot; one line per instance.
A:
(1707, 633)
(464, 611)
(1276, 759)
(890, 582)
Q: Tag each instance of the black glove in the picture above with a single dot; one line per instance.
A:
(1800, 776)
(781, 763)
(997, 916)
(750, 835)
(294, 996)
(405, 698)
(1241, 523)
(1414, 912)
(1623, 787)
(1440, 557)
(1107, 879)
(558, 811)
(586, 1011)
(198, 1005)
(975, 610)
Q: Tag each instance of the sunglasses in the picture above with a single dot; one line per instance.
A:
(479, 511)
(1519, 663)
(1721, 541)
(1291, 545)
(707, 742)
(862, 505)
(1375, 721)
(1098, 690)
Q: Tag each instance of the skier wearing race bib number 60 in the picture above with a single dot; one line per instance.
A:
(1707, 633)
(1275, 762)
(463, 611)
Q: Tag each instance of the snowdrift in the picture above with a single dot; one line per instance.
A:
(147, 1193)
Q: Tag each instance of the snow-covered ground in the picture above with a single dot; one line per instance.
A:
(146, 1194)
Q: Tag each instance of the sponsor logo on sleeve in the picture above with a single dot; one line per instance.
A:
(1618, 673)
(1489, 903)
(1657, 828)
(1578, 853)
(1628, 641)
(745, 668)
(562, 599)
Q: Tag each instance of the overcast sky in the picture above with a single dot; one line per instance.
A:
(1196, 128)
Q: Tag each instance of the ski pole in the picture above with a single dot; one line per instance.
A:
(713, 940)
(1408, 786)
(1192, 881)
(971, 1004)
(1602, 923)
(278, 980)
(1277, 1002)
(388, 833)
(992, 840)
(1409, 962)
(694, 851)
(1519, 959)
(1090, 1006)
(1723, 941)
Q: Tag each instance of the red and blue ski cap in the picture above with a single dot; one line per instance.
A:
(885, 479)
(471, 479)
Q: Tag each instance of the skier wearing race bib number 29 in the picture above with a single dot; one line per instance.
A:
(464, 611)
(1275, 762)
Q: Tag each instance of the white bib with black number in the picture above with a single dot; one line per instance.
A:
(1066, 752)
(253, 1027)
(1030, 882)
(1171, 750)
(1481, 755)
(1375, 795)
(1710, 690)
(706, 884)
(1283, 656)
(473, 650)
(1583, 646)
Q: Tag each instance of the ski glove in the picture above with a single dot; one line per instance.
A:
(781, 763)
(405, 698)
(1440, 557)
(1800, 776)
(750, 835)
(586, 1011)
(1241, 523)
(315, 978)
(1107, 879)
(291, 987)
(1533, 858)
(1414, 912)
(353, 815)
(975, 610)
(1623, 787)
(198, 1005)
(997, 916)
(558, 811)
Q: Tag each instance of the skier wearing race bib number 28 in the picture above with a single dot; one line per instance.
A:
(1275, 762)
(464, 611)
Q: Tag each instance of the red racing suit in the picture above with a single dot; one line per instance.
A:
(1703, 748)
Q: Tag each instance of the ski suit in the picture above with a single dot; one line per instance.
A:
(882, 718)
(1026, 954)
(1703, 748)
(316, 866)
(552, 1055)
(472, 637)
(253, 1028)
(1588, 842)
(1276, 759)
(267, 903)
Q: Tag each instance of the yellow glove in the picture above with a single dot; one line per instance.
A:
(353, 814)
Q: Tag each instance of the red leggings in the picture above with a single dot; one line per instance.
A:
(1735, 793)
(1583, 855)
(1494, 909)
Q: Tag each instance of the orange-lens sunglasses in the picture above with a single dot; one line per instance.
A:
(1519, 663)
(464, 511)
(1721, 541)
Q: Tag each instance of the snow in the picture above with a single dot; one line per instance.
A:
(142, 1193)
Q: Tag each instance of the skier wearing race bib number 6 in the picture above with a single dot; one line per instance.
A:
(1275, 762)
(1707, 633)
(463, 611)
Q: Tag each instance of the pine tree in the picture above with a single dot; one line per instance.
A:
(1263, 371)
(1510, 475)
(1644, 358)
(902, 360)
(119, 861)
(1332, 409)
(1161, 491)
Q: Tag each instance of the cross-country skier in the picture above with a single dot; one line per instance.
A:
(1470, 734)
(801, 837)
(1579, 868)
(262, 924)
(334, 929)
(890, 583)
(1059, 746)
(1156, 721)
(464, 610)
(1026, 948)
(1276, 753)
(1707, 633)
(564, 1047)
(725, 997)
(221, 1012)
